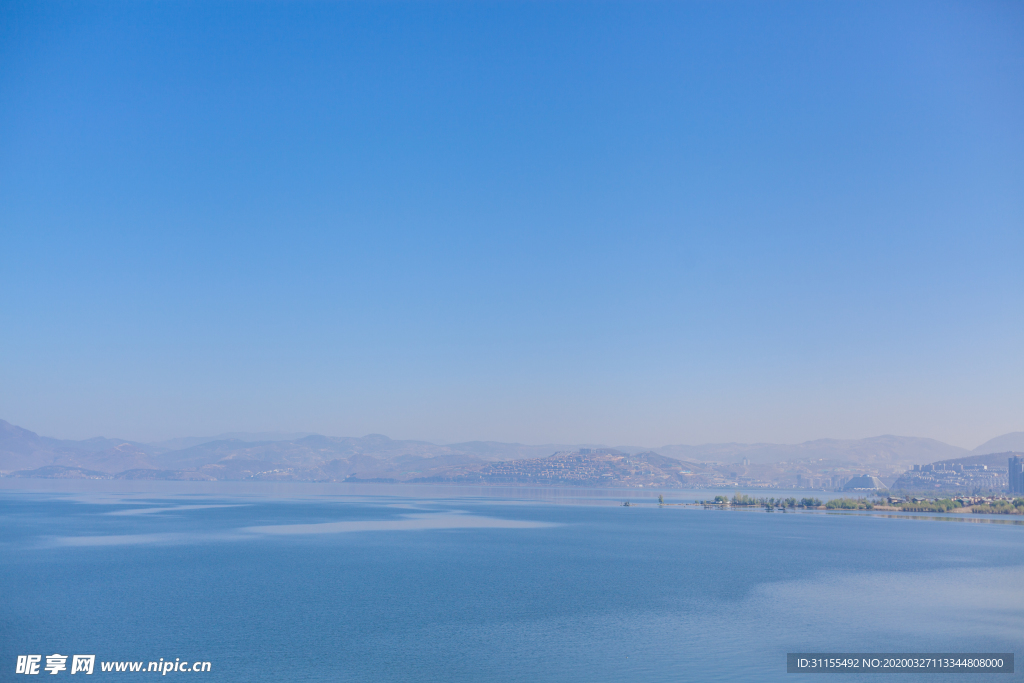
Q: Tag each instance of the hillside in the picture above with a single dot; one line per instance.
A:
(375, 457)
(880, 451)
(21, 449)
(1014, 441)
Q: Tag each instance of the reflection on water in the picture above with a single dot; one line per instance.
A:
(132, 539)
(511, 591)
(172, 508)
(409, 523)
(406, 522)
(938, 517)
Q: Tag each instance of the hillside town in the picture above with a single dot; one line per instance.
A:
(953, 477)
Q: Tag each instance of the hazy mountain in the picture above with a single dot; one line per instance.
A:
(594, 467)
(878, 450)
(307, 451)
(313, 457)
(1014, 441)
(60, 472)
(189, 441)
(496, 450)
(21, 449)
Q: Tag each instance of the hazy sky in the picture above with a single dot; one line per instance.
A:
(636, 222)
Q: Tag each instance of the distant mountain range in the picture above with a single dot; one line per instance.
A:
(313, 457)
(1014, 441)
(189, 441)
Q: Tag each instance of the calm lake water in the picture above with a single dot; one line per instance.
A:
(317, 584)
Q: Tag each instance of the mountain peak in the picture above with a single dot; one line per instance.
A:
(1014, 441)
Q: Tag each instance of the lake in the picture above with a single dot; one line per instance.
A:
(374, 583)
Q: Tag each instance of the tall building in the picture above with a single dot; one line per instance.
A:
(1016, 466)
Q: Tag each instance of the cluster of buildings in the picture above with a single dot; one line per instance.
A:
(965, 478)
(611, 467)
(823, 482)
(953, 477)
(970, 478)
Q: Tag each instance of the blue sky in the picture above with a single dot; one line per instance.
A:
(640, 223)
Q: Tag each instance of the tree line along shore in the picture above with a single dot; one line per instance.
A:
(1001, 506)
